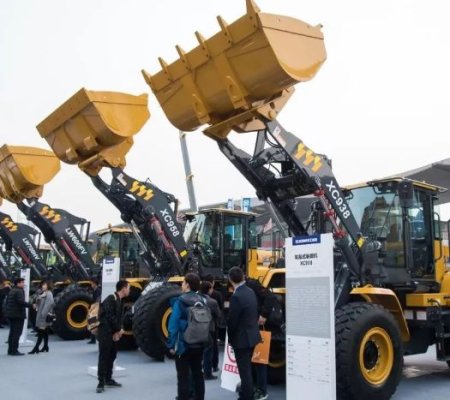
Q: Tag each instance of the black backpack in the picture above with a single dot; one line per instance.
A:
(199, 320)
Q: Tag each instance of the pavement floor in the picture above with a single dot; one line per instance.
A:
(63, 372)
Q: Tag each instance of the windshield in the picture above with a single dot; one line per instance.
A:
(377, 212)
(203, 231)
(108, 246)
(48, 256)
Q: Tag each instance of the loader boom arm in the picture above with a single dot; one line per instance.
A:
(148, 207)
(58, 228)
(299, 172)
(19, 237)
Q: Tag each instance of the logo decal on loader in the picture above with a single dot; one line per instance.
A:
(309, 157)
(141, 190)
(11, 226)
(50, 214)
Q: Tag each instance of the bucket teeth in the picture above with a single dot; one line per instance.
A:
(165, 67)
(183, 57)
(252, 7)
(246, 65)
(224, 28)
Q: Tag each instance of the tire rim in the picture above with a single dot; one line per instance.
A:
(376, 356)
(165, 322)
(76, 314)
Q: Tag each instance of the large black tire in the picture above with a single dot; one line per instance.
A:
(150, 320)
(369, 352)
(71, 309)
(128, 341)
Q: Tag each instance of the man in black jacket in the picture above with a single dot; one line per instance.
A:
(221, 328)
(110, 332)
(15, 312)
(243, 330)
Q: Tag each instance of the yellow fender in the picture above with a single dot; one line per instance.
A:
(388, 299)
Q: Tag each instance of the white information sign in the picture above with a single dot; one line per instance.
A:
(230, 373)
(110, 275)
(25, 274)
(310, 343)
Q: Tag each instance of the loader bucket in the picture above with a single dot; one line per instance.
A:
(24, 171)
(248, 62)
(95, 129)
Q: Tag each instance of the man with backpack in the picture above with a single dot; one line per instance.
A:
(206, 290)
(189, 332)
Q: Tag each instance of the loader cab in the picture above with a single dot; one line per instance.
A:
(401, 215)
(48, 255)
(221, 239)
(120, 242)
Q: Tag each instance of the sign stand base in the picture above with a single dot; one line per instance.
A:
(26, 343)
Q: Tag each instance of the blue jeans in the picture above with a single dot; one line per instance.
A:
(207, 360)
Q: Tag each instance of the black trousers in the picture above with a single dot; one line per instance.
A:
(107, 352)
(15, 330)
(42, 336)
(190, 362)
(244, 363)
(215, 352)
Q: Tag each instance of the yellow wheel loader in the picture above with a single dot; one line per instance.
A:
(23, 173)
(94, 130)
(392, 278)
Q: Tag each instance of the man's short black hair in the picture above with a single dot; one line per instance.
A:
(193, 281)
(18, 280)
(121, 284)
(236, 275)
(205, 287)
(208, 278)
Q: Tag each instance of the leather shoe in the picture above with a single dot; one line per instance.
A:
(112, 384)
(17, 353)
(210, 377)
(100, 388)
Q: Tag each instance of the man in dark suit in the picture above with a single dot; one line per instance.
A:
(243, 329)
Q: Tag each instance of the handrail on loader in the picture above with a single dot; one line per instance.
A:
(246, 69)
(24, 171)
(95, 129)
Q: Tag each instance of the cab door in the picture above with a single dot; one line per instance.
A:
(234, 242)
(421, 222)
